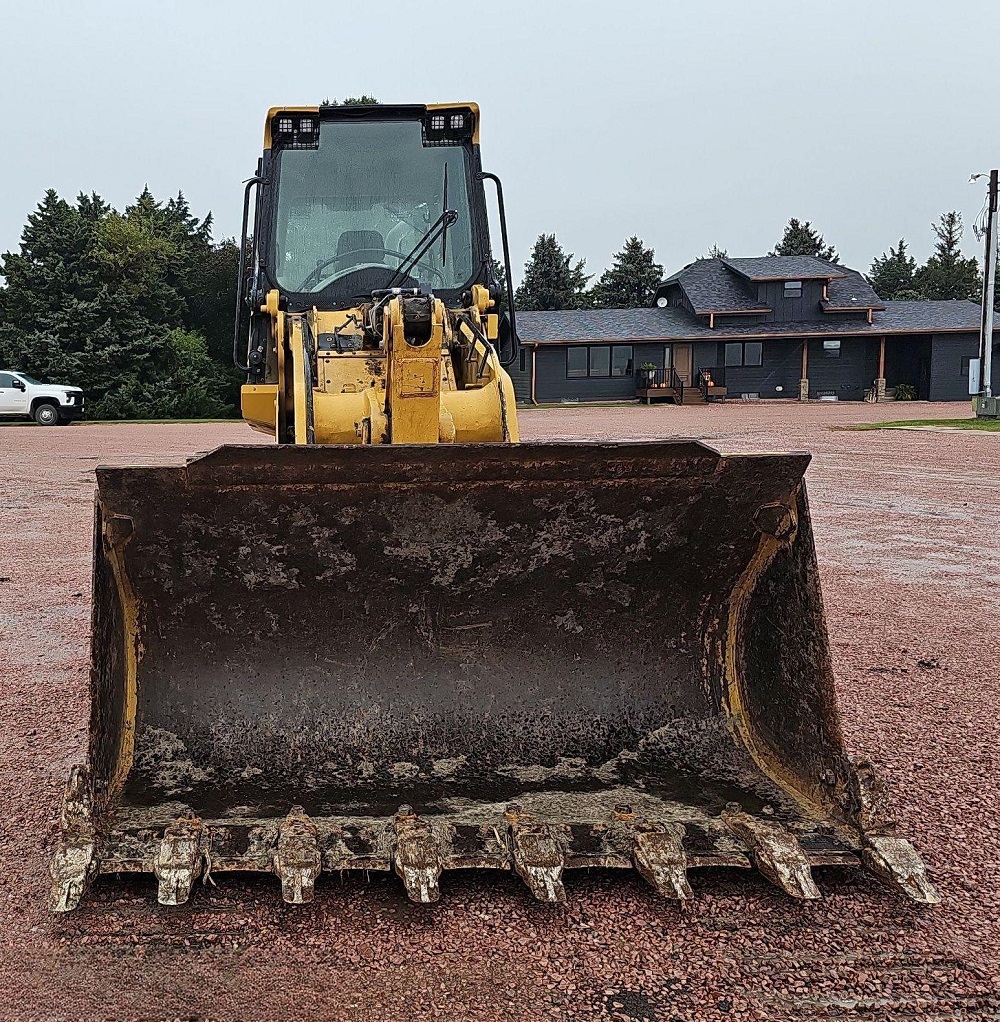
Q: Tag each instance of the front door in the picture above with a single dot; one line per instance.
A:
(682, 362)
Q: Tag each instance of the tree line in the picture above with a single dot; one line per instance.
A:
(136, 307)
(554, 279)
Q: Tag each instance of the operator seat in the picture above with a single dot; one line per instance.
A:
(365, 246)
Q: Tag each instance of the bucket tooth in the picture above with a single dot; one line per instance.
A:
(776, 853)
(179, 860)
(417, 859)
(539, 857)
(897, 863)
(297, 858)
(74, 863)
(73, 867)
(658, 854)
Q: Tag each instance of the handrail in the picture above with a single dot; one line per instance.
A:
(515, 341)
(678, 384)
(653, 379)
(717, 374)
(242, 297)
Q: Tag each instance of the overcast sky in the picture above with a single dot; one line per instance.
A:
(688, 123)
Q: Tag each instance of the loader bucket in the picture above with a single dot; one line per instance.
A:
(528, 657)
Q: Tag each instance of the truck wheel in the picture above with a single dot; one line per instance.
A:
(47, 415)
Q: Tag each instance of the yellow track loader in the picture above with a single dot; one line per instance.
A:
(398, 639)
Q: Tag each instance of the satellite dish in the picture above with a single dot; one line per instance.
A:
(662, 303)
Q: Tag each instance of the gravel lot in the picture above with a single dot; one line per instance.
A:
(898, 516)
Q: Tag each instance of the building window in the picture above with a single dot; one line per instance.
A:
(576, 362)
(522, 360)
(668, 356)
(793, 288)
(831, 349)
(601, 361)
(621, 360)
(964, 369)
(749, 354)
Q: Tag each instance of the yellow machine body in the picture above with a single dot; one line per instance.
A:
(449, 388)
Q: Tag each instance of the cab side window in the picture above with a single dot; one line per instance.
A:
(6, 381)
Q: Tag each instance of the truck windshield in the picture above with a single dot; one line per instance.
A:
(349, 212)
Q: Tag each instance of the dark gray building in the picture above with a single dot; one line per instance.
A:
(775, 326)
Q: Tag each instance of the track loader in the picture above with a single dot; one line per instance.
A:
(398, 639)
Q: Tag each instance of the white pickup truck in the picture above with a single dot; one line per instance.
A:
(22, 397)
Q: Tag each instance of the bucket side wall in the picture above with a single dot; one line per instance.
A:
(785, 675)
(108, 671)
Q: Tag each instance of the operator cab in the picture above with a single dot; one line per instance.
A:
(356, 199)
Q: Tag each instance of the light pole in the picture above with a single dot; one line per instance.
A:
(989, 281)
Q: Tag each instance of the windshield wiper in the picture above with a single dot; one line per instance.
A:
(448, 218)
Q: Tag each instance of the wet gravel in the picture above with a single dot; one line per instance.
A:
(906, 527)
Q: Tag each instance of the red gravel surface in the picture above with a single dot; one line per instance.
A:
(907, 526)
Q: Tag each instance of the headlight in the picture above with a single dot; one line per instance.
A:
(448, 127)
(295, 131)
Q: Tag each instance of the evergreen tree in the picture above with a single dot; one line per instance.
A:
(57, 311)
(211, 299)
(717, 253)
(891, 275)
(947, 274)
(631, 281)
(55, 266)
(188, 383)
(551, 279)
(801, 239)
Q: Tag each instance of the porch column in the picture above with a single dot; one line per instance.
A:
(804, 375)
(880, 379)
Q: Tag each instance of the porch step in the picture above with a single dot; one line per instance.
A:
(693, 396)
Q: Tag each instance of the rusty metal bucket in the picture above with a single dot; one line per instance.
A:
(531, 657)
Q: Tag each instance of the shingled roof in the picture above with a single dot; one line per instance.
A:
(727, 286)
(601, 325)
(625, 326)
(851, 291)
(710, 287)
(762, 268)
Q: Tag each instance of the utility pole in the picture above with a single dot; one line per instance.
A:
(989, 281)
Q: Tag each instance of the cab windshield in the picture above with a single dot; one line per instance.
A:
(350, 212)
